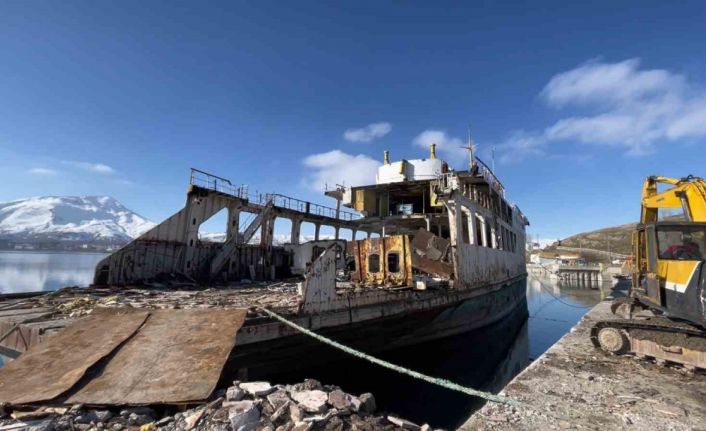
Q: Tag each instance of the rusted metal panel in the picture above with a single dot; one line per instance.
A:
(429, 252)
(51, 368)
(431, 246)
(319, 287)
(176, 357)
(433, 267)
(384, 261)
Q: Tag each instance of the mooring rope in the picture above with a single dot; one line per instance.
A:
(429, 379)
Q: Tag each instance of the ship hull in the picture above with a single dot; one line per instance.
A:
(381, 334)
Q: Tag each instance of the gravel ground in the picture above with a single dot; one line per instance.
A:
(575, 386)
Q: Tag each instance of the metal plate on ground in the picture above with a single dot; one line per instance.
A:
(176, 357)
(51, 368)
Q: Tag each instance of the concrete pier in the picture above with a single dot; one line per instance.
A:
(575, 386)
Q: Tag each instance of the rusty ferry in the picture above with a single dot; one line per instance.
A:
(442, 252)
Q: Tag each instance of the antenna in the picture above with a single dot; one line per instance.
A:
(471, 149)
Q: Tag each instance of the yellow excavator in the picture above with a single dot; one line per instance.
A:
(664, 316)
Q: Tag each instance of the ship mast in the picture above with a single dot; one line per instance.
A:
(471, 151)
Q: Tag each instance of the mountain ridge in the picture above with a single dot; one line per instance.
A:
(616, 239)
(91, 219)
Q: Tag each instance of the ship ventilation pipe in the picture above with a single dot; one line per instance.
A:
(432, 151)
(387, 157)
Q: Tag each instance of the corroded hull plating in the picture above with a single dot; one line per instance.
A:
(382, 333)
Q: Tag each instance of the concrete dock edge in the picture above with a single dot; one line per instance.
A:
(574, 386)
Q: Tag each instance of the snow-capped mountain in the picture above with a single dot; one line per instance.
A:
(70, 218)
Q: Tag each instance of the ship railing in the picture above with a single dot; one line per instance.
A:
(213, 182)
(307, 207)
(490, 177)
(209, 181)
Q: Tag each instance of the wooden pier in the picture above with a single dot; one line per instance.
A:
(574, 386)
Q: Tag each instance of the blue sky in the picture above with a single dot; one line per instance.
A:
(580, 101)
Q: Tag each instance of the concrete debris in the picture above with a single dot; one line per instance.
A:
(312, 384)
(257, 389)
(74, 302)
(244, 414)
(234, 393)
(193, 419)
(367, 403)
(342, 401)
(143, 411)
(260, 407)
(278, 398)
(402, 423)
(94, 416)
(311, 401)
(278, 415)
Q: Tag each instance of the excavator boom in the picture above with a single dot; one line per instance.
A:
(687, 194)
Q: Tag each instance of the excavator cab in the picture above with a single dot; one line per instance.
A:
(670, 272)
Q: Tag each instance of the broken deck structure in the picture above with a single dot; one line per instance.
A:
(173, 247)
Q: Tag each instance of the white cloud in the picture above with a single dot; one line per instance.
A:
(336, 167)
(43, 172)
(521, 145)
(448, 146)
(624, 107)
(98, 168)
(596, 83)
(368, 133)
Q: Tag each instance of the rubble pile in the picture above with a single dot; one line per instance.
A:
(74, 302)
(252, 406)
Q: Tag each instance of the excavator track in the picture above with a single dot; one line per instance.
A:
(658, 337)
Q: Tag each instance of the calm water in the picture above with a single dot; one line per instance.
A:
(37, 271)
(485, 359)
(554, 307)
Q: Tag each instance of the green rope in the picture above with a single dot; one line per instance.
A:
(433, 380)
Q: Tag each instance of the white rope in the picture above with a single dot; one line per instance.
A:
(433, 380)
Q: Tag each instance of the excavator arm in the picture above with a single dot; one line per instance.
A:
(688, 193)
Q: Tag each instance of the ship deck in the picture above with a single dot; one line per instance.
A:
(26, 320)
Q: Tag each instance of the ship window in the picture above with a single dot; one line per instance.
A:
(511, 240)
(488, 236)
(374, 263)
(466, 239)
(479, 231)
(350, 266)
(393, 262)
